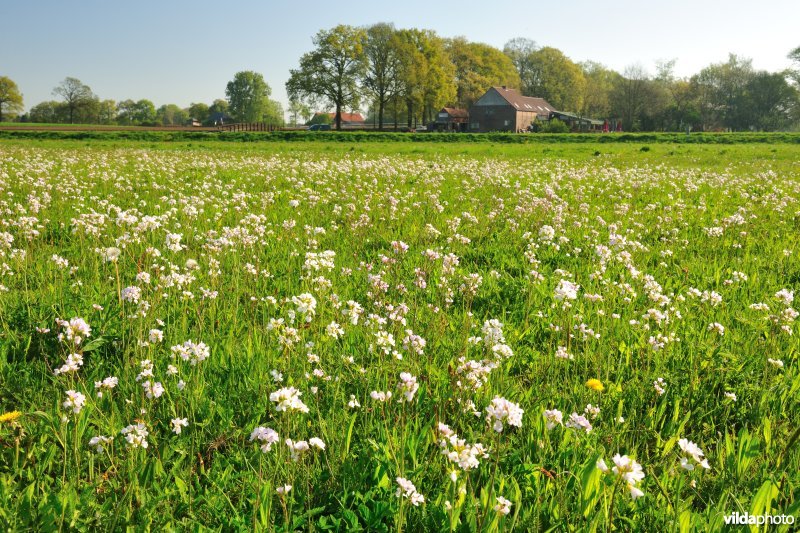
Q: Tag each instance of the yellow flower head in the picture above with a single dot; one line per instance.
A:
(10, 417)
(595, 384)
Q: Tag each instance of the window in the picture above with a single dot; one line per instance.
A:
(506, 123)
(475, 125)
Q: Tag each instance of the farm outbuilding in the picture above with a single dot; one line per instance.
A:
(577, 123)
(504, 109)
(451, 119)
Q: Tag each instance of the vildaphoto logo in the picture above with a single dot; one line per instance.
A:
(747, 519)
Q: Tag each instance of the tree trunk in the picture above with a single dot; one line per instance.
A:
(338, 117)
(410, 107)
(380, 114)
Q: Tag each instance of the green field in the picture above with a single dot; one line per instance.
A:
(576, 336)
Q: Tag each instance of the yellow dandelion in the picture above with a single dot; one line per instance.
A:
(595, 384)
(10, 417)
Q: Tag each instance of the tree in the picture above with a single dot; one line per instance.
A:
(331, 71)
(426, 75)
(298, 109)
(381, 76)
(597, 91)
(107, 112)
(10, 97)
(721, 90)
(248, 99)
(794, 55)
(49, 112)
(479, 66)
(769, 102)
(76, 95)
(320, 118)
(198, 112)
(520, 50)
(557, 79)
(171, 115)
(629, 95)
(141, 113)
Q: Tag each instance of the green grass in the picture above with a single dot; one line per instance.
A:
(634, 228)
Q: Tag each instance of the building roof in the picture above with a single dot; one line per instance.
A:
(530, 104)
(455, 112)
(575, 117)
(346, 117)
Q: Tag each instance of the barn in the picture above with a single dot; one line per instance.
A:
(504, 109)
(451, 119)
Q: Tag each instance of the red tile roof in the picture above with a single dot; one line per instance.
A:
(346, 117)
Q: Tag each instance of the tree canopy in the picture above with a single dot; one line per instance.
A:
(479, 66)
(248, 99)
(76, 95)
(330, 73)
(10, 98)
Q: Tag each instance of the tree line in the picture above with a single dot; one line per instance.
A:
(407, 75)
(247, 100)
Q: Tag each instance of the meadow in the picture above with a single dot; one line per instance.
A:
(397, 336)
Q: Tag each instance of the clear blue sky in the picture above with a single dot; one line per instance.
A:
(182, 51)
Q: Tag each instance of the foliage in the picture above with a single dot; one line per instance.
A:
(381, 77)
(521, 52)
(140, 113)
(554, 126)
(426, 73)
(248, 99)
(330, 73)
(479, 66)
(10, 98)
(76, 95)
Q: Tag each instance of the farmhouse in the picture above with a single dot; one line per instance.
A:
(348, 119)
(451, 119)
(504, 109)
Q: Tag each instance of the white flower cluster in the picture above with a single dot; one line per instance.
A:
(136, 435)
(458, 451)
(407, 490)
(191, 352)
(693, 451)
(288, 399)
(628, 470)
(266, 436)
(502, 411)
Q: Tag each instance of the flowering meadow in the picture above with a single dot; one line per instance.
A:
(233, 338)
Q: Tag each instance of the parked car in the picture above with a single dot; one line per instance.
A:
(320, 127)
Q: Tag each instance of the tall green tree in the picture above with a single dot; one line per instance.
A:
(426, 74)
(597, 90)
(10, 97)
(521, 52)
(479, 66)
(49, 112)
(76, 95)
(629, 96)
(248, 98)
(198, 111)
(557, 79)
(331, 71)
(381, 80)
(171, 115)
(770, 103)
(107, 112)
(141, 112)
(298, 111)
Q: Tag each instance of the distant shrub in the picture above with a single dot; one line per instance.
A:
(555, 126)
